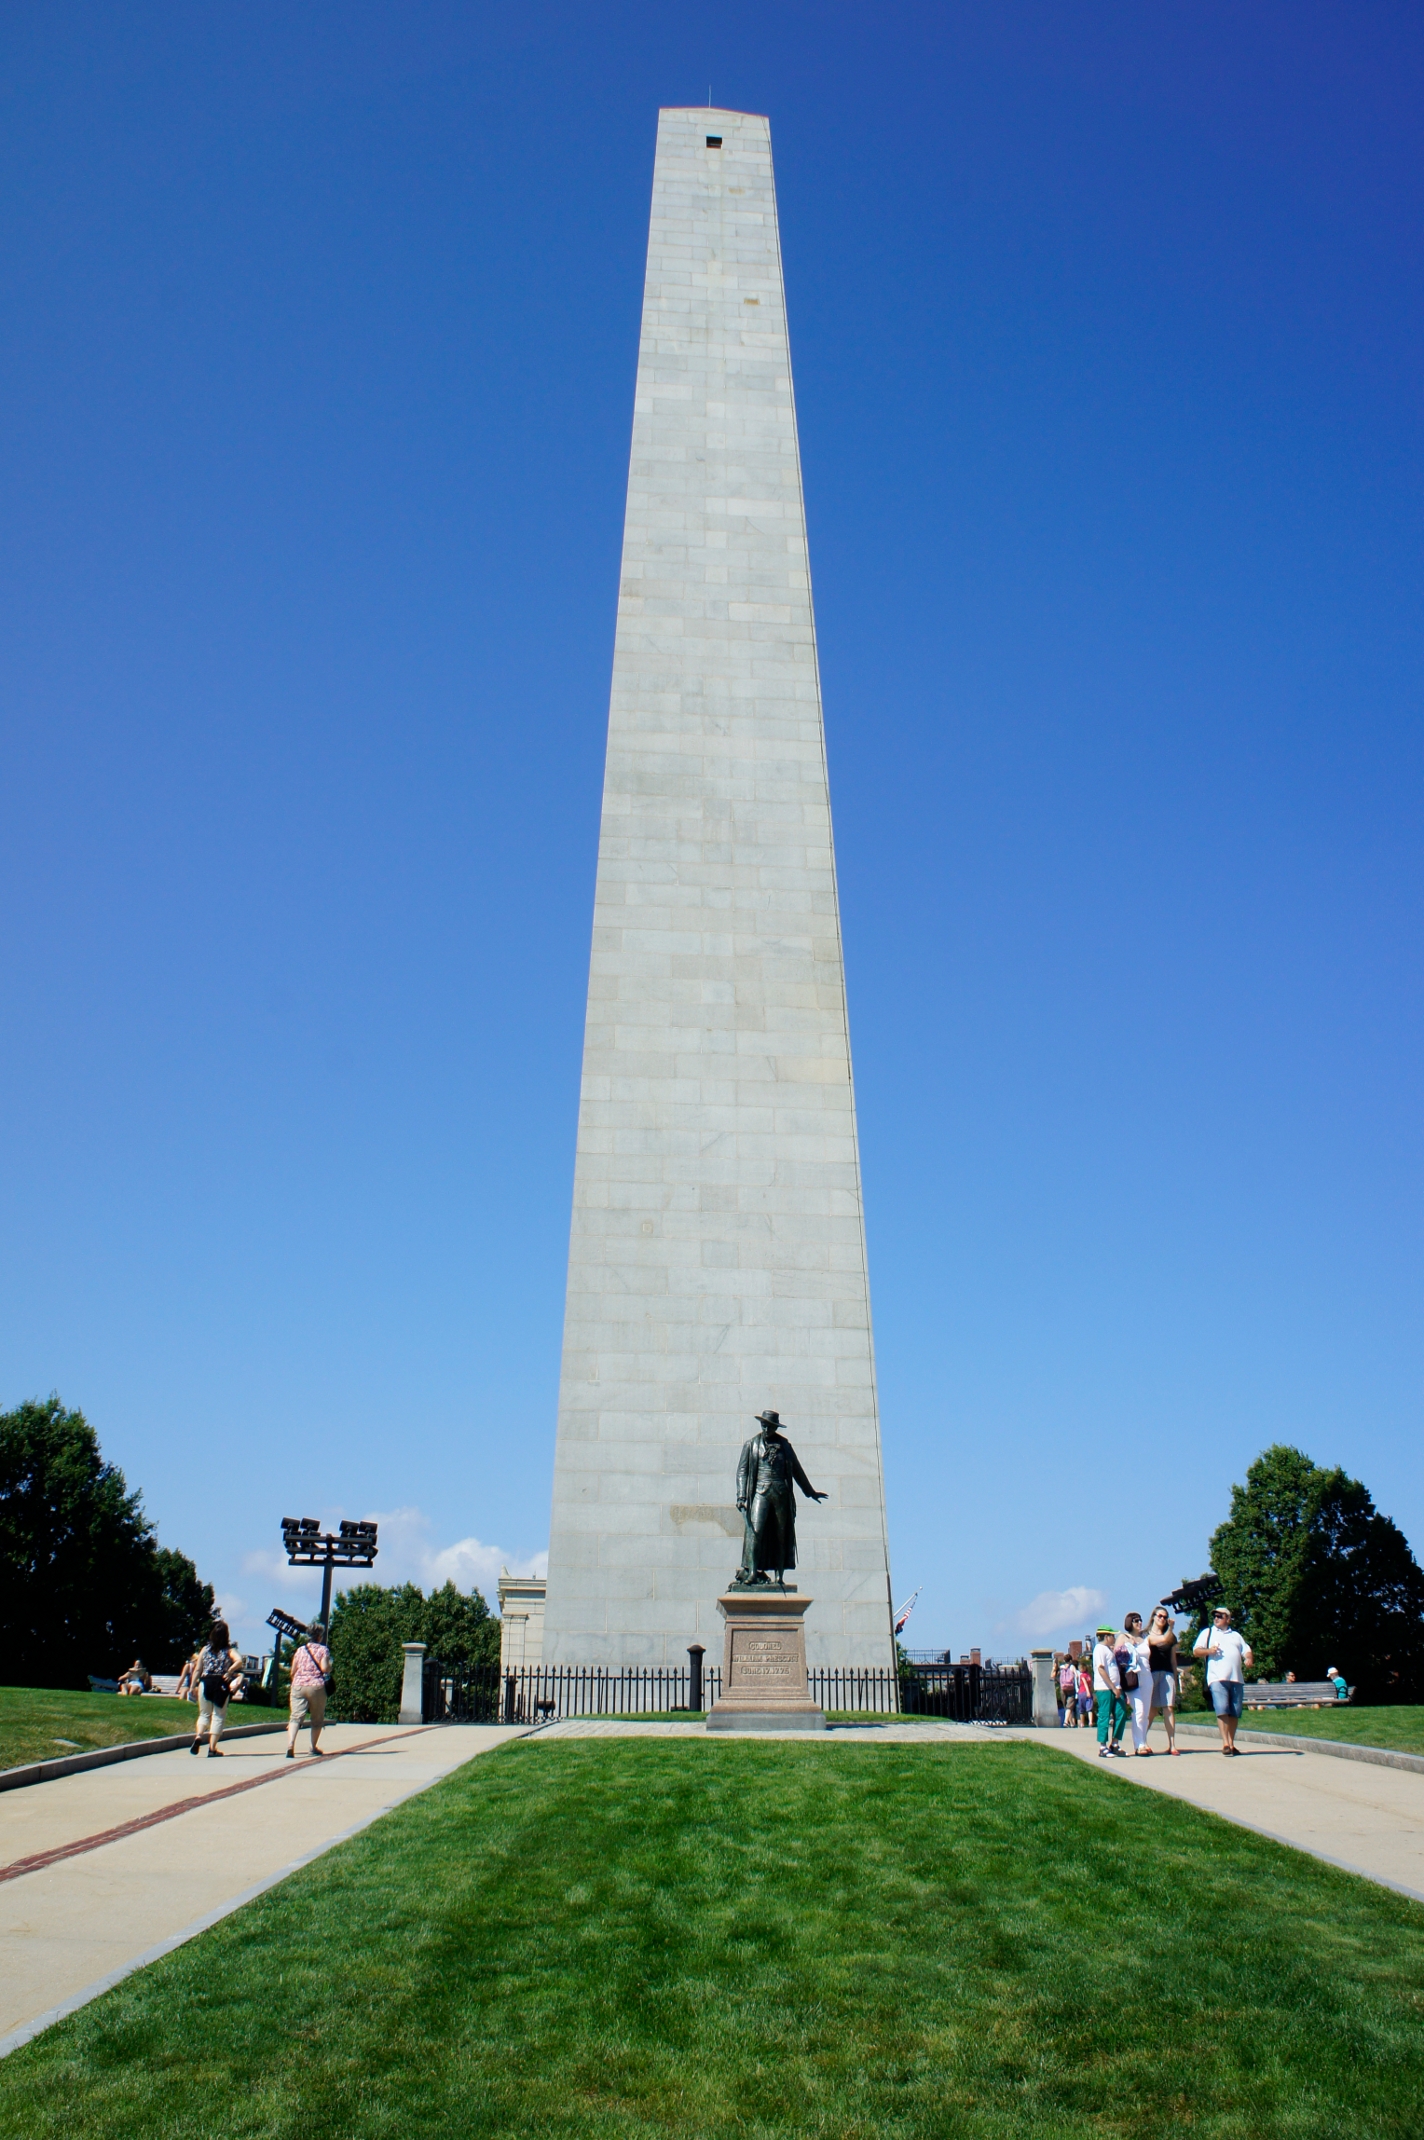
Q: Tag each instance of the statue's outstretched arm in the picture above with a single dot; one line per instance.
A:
(802, 1481)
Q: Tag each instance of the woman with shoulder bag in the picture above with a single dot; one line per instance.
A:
(218, 1668)
(311, 1683)
(1137, 1680)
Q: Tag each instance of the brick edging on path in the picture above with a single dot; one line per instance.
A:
(1341, 1749)
(100, 1756)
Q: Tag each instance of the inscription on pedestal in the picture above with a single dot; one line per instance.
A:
(767, 1660)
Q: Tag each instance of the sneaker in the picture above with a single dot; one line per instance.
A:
(213, 1754)
(290, 1755)
(1102, 1753)
(194, 1747)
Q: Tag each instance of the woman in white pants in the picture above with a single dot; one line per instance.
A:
(218, 1669)
(1141, 1695)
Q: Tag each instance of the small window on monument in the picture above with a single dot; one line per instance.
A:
(714, 141)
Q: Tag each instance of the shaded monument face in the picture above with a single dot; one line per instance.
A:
(717, 1252)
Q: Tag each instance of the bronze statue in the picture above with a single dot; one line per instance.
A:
(765, 1497)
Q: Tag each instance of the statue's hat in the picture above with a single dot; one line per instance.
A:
(768, 1419)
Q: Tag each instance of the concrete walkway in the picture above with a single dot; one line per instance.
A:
(1368, 1820)
(104, 1871)
(929, 1732)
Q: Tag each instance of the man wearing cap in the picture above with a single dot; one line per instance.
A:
(765, 1472)
(1107, 1686)
(1227, 1654)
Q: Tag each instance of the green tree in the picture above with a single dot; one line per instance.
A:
(84, 1585)
(368, 1626)
(1315, 1576)
(460, 1630)
(177, 1615)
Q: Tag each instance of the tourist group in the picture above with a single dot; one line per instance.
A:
(1133, 1674)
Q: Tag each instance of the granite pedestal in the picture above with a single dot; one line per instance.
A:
(764, 1684)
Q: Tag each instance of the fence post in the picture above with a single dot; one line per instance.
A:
(412, 1703)
(695, 1655)
(509, 1698)
(1045, 1698)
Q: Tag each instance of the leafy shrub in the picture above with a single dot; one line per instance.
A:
(368, 1627)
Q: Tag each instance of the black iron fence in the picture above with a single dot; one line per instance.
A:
(968, 1693)
(539, 1694)
(961, 1693)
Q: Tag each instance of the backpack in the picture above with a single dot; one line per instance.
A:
(212, 1676)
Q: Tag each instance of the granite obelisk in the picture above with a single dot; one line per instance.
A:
(717, 1254)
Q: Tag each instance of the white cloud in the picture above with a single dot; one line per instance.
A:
(1053, 1612)
(409, 1555)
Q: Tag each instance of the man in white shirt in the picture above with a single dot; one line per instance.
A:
(1227, 1654)
(1107, 1687)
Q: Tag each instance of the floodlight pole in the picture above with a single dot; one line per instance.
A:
(307, 1546)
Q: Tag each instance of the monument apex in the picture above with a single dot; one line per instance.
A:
(717, 1252)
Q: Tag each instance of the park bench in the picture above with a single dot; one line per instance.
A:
(1291, 1694)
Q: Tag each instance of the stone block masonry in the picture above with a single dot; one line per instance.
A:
(717, 1252)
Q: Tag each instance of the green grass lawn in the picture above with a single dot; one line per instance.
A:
(1402, 1728)
(643, 1938)
(40, 1723)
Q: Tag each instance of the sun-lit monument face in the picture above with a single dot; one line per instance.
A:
(717, 1257)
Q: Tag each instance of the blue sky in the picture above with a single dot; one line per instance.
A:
(317, 382)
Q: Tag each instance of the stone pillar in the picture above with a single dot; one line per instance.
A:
(1045, 1694)
(412, 1708)
(764, 1684)
(521, 1622)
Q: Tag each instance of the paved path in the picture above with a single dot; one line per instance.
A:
(1370, 1820)
(926, 1733)
(106, 1870)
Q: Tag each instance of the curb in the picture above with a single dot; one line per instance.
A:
(1341, 1749)
(11, 1779)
